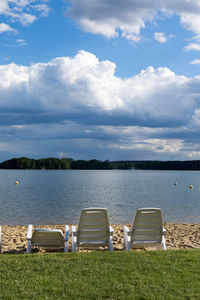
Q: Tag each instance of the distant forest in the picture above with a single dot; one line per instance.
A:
(71, 164)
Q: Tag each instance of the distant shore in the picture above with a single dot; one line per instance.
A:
(53, 163)
(178, 236)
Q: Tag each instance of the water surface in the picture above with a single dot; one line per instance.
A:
(57, 197)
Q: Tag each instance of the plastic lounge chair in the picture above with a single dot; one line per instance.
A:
(47, 238)
(93, 230)
(0, 241)
(147, 229)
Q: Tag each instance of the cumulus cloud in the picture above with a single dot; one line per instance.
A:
(109, 18)
(77, 103)
(84, 85)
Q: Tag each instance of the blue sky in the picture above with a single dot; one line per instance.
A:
(117, 80)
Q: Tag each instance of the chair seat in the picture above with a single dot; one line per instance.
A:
(47, 238)
(92, 244)
(138, 244)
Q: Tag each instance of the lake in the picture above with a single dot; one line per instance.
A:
(57, 196)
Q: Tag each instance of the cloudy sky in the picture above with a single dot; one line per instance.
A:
(117, 80)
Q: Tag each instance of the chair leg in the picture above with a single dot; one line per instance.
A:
(127, 242)
(163, 243)
(73, 243)
(66, 246)
(28, 250)
(110, 247)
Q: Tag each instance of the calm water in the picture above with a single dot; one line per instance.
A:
(57, 197)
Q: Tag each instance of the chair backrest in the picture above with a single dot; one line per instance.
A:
(93, 226)
(147, 225)
(47, 238)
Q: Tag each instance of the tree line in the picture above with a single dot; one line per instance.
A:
(52, 163)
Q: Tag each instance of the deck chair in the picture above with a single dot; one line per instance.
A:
(93, 230)
(147, 229)
(47, 238)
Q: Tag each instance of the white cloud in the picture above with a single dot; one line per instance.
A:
(154, 145)
(26, 19)
(24, 11)
(23, 18)
(21, 3)
(191, 21)
(3, 6)
(131, 37)
(160, 37)
(197, 38)
(192, 47)
(106, 18)
(21, 42)
(82, 106)
(109, 18)
(43, 9)
(195, 62)
(5, 28)
(84, 84)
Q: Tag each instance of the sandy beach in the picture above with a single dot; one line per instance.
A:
(178, 236)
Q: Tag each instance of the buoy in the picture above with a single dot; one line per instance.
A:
(175, 183)
(16, 182)
(191, 187)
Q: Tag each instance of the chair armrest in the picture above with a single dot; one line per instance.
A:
(111, 230)
(66, 232)
(29, 232)
(126, 231)
(74, 231)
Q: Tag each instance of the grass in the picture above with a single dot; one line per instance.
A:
(168, 274)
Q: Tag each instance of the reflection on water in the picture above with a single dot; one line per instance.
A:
(57, 197)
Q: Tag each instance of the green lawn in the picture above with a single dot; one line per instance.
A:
(168, 274)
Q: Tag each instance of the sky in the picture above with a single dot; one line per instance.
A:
(100, 79)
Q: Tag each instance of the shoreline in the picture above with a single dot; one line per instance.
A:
(178, 236)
